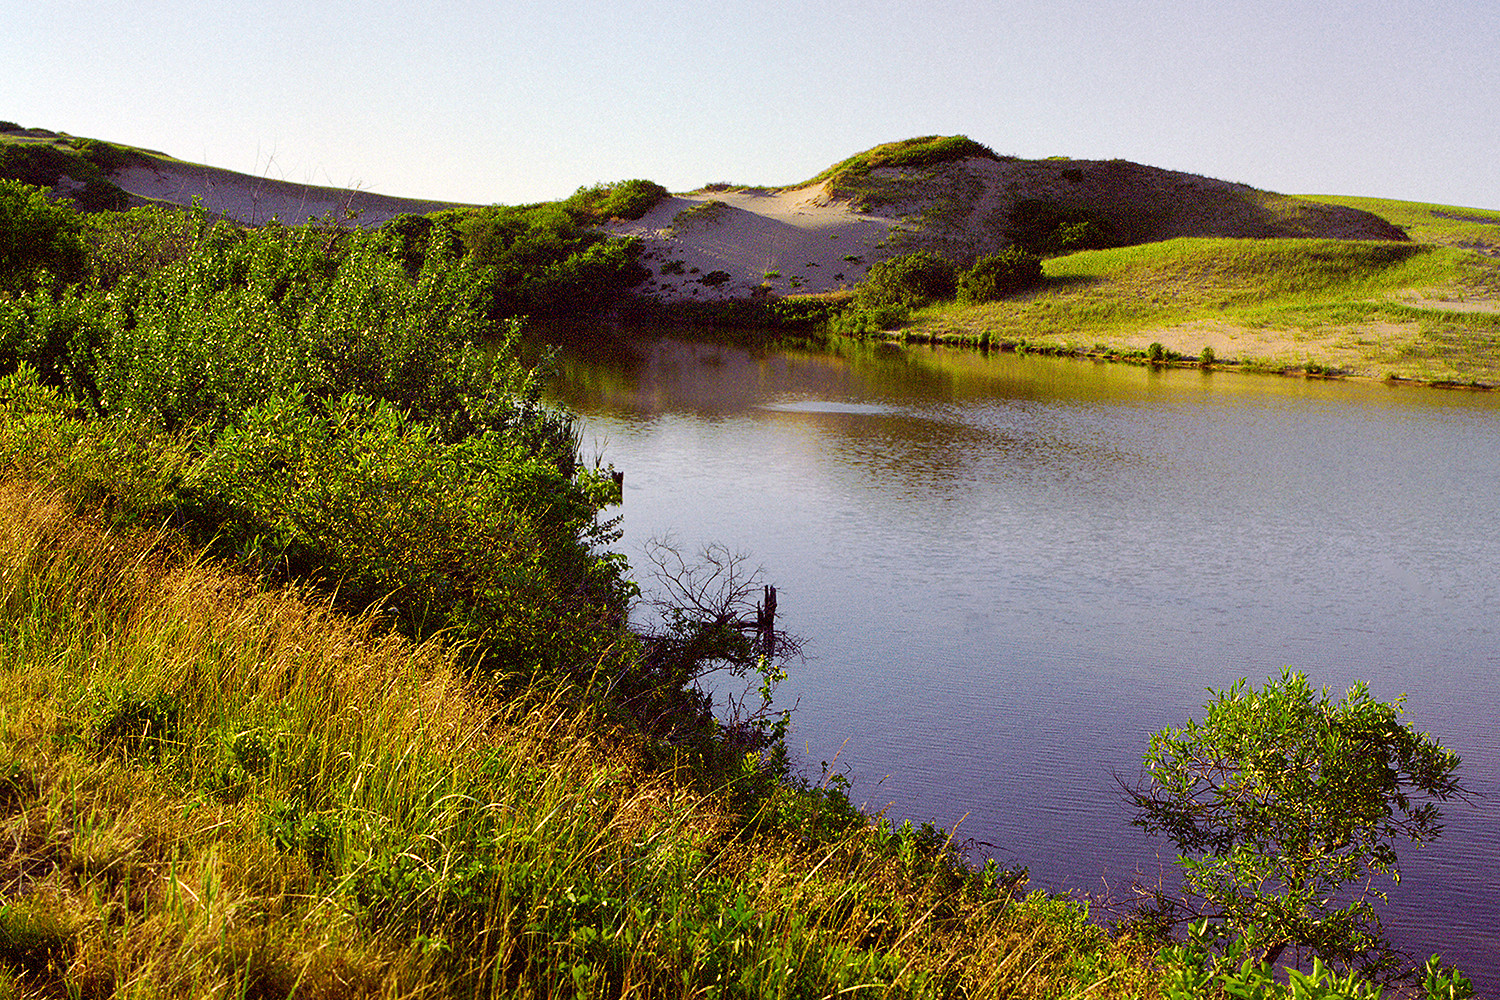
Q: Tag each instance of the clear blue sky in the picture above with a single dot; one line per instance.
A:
(513, 102)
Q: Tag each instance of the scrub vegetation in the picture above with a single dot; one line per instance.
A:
(318, 678)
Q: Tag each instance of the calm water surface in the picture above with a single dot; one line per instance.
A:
(1011, 570)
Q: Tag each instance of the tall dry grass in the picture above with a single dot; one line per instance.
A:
(211, 790)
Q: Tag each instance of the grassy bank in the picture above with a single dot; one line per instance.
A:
(1374, 310)
(214, 790)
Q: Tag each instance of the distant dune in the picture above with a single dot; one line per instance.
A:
(255, 200)
(724, 242)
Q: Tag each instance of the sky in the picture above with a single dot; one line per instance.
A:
(512, 101)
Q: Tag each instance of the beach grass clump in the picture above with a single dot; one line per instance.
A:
(851, 178)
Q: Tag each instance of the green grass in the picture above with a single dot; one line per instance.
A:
(851, 178)
(1450, 225)
(1367, 308)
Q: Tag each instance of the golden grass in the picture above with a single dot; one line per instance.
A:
(547, 850)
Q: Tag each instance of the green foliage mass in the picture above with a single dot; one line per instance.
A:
(541, 261)
(909, 280)
(621, 200)
(894, 287)
(41, 244)
(1283, 803)
(87, 161)
(298, 401)
(1049, 230)
(995, 276)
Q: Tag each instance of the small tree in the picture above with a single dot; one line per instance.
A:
(1283, 805)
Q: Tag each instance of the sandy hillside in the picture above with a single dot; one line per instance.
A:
(732, 243)
(255, 200)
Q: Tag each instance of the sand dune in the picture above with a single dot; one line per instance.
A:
(254, 200)
(733, 243)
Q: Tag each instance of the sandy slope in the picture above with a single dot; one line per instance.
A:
(255, 200)
(788, 241)
(806, 240)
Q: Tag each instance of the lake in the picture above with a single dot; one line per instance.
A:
(1010, 570)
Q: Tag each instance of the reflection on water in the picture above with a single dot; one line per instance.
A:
(1012, 569)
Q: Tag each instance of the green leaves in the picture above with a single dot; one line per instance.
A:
(40, 243)
(1283, 804)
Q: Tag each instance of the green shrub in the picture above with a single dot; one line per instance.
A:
(478, 536)
(1049, 229)
(140, 241)
(622, 200)
(40, 164)
(1284, 804)
(999, 274)
(910, 280)
(540, 261)
(41, 244)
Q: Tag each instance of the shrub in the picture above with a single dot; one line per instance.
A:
(622, 200)
(140, 241)
(910, 280)
(41, 244)
(1050, 230)
(39, 164)
(477, 536)
(999, 274)
(1283, 805)
(542, 262)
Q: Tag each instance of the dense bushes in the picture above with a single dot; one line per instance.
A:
(1048, 229)
(623, 200)
(910, 280)
(896, 286)
(87, 162)
(999, 274)
(543, 262)
(482, 536)
(41, 244)
(297, 400)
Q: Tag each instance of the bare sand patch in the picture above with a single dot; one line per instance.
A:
(735, 244)
(255, 200)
